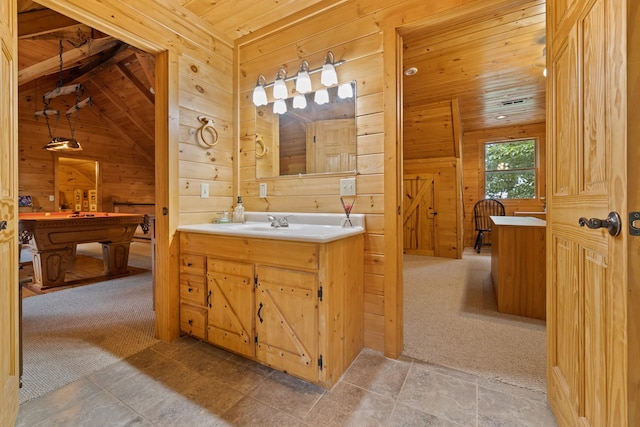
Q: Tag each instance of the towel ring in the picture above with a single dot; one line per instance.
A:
(260, 143)
(207, 124)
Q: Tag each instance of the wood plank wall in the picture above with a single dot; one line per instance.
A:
(124, 175)
(473, 167)
(353, 32)
(361, 46)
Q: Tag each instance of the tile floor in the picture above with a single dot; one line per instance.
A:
(190, 383)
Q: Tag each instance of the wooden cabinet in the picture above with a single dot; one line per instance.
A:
(518, 265)
(294, 306)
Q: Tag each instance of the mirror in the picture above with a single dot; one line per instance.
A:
(316, 139)
(77, 184)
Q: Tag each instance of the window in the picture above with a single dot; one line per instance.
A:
(510, 169)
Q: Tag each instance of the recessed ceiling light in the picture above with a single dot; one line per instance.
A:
(501, 116)
(410, 71)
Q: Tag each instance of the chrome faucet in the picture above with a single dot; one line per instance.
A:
(278, 221)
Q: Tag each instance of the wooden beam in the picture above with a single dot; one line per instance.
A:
(51, 65)
(40, 22)
(148, 67)
(142, 89)
(121, 104)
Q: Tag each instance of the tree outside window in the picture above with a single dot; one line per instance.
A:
(510, 169)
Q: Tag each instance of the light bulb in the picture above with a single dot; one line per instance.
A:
(259, 96)
(321, 97)
(345, 91)
(280, 107)
(300, 101)
(328, 76)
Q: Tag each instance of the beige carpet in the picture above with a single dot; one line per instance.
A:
(451, 319)
(71, 333)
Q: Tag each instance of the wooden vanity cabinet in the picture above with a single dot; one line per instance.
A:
(294, 306)
(193, 289)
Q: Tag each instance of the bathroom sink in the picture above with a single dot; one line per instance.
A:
(302, 227)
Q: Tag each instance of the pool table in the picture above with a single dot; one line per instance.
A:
(54, 236)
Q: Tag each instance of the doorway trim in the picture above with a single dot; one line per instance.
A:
(166, 166)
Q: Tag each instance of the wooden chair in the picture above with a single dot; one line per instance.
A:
(481, 213)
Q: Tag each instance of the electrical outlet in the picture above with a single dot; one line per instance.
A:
(348, 187)
(52, 198)
(204, 191)
(263, 190)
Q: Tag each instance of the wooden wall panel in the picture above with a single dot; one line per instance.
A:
(473, 176)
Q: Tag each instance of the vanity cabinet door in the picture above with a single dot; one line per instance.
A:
(230, 301)
(287, 321)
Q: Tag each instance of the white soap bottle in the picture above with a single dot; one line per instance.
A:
(238, 212)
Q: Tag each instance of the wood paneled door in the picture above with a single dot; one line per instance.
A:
(587, 298)
(9, 339)
(419, 215)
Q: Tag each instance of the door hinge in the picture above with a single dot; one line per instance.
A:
(320, 362)
(255, 280)
(320, 293)
(255, 339)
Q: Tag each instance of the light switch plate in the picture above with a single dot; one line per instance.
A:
(348, 187)
(204, 191)
(263, 190)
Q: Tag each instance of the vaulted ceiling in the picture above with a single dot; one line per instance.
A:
(492, 64)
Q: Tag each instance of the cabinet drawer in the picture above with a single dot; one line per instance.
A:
(193, 289)
(193, 264)
(193, 320)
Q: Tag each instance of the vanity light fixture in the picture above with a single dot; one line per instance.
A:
(345, 91)
(300, 101)
(279, 86)
(329, 76)
(302, 78)
(259, 94)
(303, 81)
(321, 96)
(279, 107)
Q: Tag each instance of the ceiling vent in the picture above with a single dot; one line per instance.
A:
(514, 102)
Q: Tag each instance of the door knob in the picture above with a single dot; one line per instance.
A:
(612, 223)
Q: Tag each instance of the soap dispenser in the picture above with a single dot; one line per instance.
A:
(238, 212)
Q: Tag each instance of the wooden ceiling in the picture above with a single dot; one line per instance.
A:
(492, 63)
(118, 77)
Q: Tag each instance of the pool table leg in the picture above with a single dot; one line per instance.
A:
(50, 266)
(115, 257)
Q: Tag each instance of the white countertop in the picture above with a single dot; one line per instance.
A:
(303, 227)
(522, 221)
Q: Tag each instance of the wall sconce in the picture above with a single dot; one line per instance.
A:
(328, 77)
(259, 94)
(279, 86)
(303, 81)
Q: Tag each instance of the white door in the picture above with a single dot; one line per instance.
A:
(588, 300)
(9, 356)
